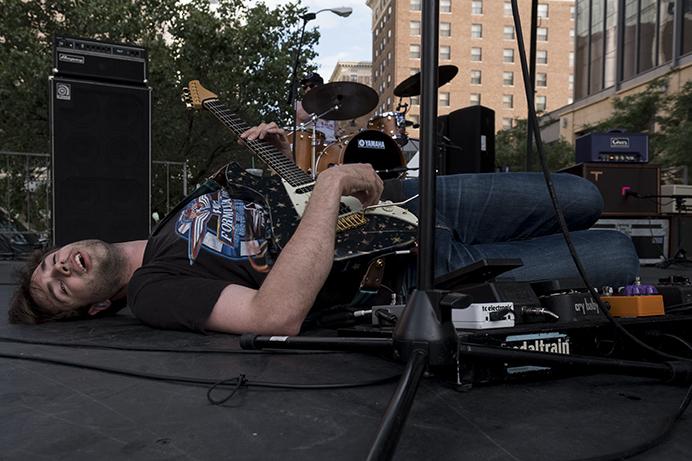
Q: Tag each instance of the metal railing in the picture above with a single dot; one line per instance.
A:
(26, 197)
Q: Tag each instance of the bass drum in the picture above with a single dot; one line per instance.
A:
(369, 146)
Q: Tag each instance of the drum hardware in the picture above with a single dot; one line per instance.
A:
(411, 86)
(369, 146)
(341, 100)
(307, 161)
(392, 124)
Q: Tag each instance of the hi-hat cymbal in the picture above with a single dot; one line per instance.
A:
(353, 100)
(411, 86)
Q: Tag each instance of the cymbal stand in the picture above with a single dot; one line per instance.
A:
(313, 122)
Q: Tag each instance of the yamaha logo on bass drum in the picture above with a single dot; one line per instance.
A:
(371, 144)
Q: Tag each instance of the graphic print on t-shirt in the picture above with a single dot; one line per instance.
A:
(225, 226)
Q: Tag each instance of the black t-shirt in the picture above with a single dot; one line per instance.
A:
(214, 241)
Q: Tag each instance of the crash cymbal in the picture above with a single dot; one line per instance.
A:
(411, 86)
(353, 100)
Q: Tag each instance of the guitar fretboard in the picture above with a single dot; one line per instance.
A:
(265, 151)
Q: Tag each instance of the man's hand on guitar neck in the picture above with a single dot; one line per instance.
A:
(271, 133)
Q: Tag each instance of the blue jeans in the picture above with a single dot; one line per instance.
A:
(509, 215)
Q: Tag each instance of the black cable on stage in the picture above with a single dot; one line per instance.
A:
(82, 345)
(192, 381)
(528, 89)
(678, 307)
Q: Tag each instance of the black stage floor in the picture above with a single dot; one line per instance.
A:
(55, 412)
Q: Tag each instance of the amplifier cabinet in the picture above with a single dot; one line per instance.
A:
(669, 205)
(650, 236)
(613, 180)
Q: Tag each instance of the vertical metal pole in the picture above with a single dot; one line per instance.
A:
(428, 145)
(8, 181)
(532, 75)
(184, 179)
(168, 187)
(27, 180)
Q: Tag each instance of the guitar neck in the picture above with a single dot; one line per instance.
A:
(271, 156)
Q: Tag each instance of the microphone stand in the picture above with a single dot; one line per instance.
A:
(294, 75)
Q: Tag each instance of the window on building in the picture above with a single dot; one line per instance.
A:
(389, 78)
(476, 54)
(506, 123)
(416, 5)
(445, 52)
(542, 34)
(508, 55)
(445, 6)
(508, 32)
(477, 7)
(542, 10)
(507, 9)
(540, 103)
(414, 28)
(475, 99)
(445, 29)
(476, 30)
(541, 57)
(571, 82)
(415, 101)
(444, 99)
(475, 77)
(572, 12)
(508, 78)
(571, 58)
(414, 51)
(541, 79)
(508, 101)
(571, 33)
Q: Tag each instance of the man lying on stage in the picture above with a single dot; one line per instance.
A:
(190, 275)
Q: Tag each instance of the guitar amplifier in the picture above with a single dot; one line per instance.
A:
(614, 147)
(614, 181)
(98, 60)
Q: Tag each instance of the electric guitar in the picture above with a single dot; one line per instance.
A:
(377, 230)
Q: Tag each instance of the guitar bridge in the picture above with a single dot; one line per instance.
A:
(350, 221)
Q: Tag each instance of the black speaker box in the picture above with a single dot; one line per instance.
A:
(470, 143)
(101, 160)
(614, 180)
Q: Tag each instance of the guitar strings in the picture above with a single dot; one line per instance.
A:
(269, 154)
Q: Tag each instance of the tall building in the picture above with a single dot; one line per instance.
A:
(621, 46)
(479, 38)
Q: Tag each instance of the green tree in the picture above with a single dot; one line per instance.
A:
(243, 51)
(510, 150)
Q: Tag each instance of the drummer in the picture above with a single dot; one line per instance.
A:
(327, 127)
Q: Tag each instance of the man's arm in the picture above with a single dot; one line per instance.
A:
(290, 289)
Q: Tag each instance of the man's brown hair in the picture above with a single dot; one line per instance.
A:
(25, 309)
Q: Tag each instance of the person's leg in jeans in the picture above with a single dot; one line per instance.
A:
(509, 215)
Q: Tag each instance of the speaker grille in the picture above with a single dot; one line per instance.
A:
(101, 161)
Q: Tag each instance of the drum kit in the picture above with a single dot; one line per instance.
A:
(379, 144)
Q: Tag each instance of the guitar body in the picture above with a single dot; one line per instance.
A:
(380, 233)
(378, 230)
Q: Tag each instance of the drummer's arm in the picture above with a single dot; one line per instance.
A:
(271, 133)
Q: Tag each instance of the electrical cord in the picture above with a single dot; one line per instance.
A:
(661, 436)
(528, 89)
(193, 381)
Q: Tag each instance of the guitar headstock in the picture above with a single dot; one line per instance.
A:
(194, 95)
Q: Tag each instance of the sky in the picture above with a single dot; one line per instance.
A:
(342, 39)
